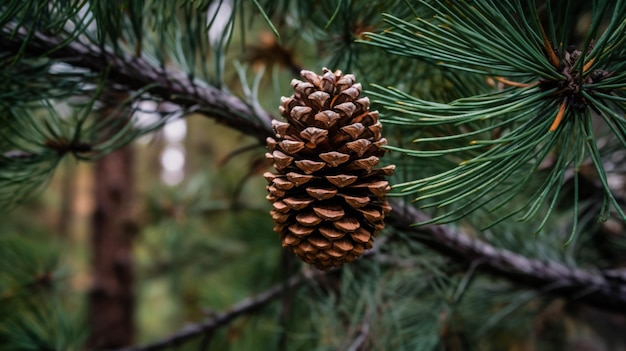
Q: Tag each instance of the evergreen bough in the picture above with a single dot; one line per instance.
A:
(496, 113)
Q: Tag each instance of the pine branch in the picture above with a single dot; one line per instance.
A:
(605, 289)
(599, 288)
(138, 73)
(490, 143)
(245, 306)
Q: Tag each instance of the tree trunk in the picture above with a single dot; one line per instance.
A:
(68, 197)
(111, 300)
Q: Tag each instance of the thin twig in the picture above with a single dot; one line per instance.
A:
(231, 155)
(245, 306)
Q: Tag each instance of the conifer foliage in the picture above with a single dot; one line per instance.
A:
(408, 176)
(558, 97)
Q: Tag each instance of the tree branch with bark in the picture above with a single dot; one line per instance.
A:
(137, 73)
(605, 289)
(599, 288)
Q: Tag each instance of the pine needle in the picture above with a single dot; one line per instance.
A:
(559, 116)
(266, 18)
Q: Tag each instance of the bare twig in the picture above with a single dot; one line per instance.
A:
(245, 306)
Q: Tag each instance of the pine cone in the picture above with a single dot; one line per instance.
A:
(329, 201)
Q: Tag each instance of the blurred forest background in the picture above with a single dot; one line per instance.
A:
(202, 268)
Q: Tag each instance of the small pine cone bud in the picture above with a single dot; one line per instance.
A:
(328, 198)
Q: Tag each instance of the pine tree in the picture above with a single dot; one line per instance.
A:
(494, 164)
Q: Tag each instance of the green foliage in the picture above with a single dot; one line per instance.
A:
(50, 108)
(406, 298)
(491, 146)
(470, 92)
(32, 316)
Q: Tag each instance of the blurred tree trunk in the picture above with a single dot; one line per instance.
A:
(68, 196)
(111, 300)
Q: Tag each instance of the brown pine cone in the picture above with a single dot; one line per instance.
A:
(329, 200)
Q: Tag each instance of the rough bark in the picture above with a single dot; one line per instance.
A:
(605, 289)
(111, 299)
(137, 73)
